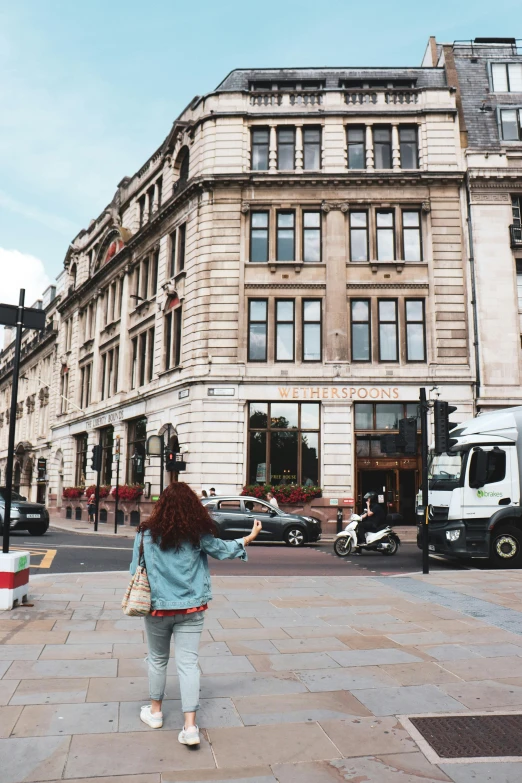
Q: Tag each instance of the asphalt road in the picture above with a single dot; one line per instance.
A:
(62, 552)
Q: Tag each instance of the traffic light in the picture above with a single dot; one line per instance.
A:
(390, 444)
(96, 458)
(42, 468)
(170, 461)
(443, 426)
(408, 435)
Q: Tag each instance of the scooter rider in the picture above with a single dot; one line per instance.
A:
(373, 519)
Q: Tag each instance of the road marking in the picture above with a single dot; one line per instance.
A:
(48, 555)
(78, 546)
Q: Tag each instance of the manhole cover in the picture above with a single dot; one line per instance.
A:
(472, 736)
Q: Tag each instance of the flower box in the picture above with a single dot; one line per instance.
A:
(72, 493)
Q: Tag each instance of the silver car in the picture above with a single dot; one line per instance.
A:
(32, 517)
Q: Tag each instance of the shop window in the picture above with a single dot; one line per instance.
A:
(388, 330)
(285, 330)
(285, 236)
(408, 147)
(358, 236)
(415, 331)
(81, 459)
(356, 148)
(311, 236)
(260, 141)
(360, 310)
(382, 148)
(311, 148)
(257, 330)
(259, 236)
(411, 235)
(284, 443)
(312, 330)
(286, 149)
(136, 450)
(385, 235)
(383, 416)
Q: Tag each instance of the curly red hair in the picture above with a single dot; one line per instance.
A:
(178, 517)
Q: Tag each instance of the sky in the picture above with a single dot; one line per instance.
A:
(88, 90)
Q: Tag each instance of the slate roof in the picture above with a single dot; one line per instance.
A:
(240, 78)
(473, 75)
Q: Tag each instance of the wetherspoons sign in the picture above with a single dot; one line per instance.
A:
(339, 392)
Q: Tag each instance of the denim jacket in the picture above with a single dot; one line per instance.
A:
(180, 579)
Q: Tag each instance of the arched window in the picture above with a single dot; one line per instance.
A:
(72, 277)
(182, 166)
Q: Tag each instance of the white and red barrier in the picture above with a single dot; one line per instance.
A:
(14, 579)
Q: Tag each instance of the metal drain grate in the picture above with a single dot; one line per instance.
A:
(472, 736)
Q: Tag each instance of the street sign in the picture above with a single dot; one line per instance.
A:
(32, 317)
(349, 501)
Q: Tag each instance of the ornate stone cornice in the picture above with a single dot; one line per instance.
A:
(387, 285)
(285, 285)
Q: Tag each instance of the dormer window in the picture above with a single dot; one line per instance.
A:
(506, 77)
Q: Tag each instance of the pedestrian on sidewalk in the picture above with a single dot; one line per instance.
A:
(91, 506)
(177, 537)
(272, 500)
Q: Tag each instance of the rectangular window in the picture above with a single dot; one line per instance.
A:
(142, 356)
(150, 199)
(385, 235)
(286, 149)
(110, 374)
(388, 335)
(356, 148)
(408, 147)
(312, 329)
(311, 236)
(415, 331)
(106, 307)
(155, 267)
(358, 236)
(360, 310)
(519, 284)
(104, 373)
(382, 148)
(260, 141)
(136, 450)
(283, 443)
(285, 236)
(120, 302)
(507, 77)
(150, 355)
(257, 329)
(311, 148)
(168, 340)
(116, 366)
(178, 323)
(137, 279)
(113, 301)
(134, 364)
(511, 124)
(285, 330)
(145, 279)
(411, 235)
(182, 245)
(173, 248)
(81, 459)
(259, 236)
(141, 211)
(159, 189)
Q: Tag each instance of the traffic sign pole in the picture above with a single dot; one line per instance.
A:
(425, 496)
(12, 424)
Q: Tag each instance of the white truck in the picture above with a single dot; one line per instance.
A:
(475, 490)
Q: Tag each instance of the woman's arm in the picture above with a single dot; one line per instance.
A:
(228, 550)
(135, 554)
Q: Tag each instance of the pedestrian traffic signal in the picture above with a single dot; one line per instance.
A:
(96, 458)
(408, 435)
(390, 444)
(42, 468)
(443, 426)
(170, 461)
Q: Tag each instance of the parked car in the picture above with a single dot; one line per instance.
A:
(32, 517)
(234, 516)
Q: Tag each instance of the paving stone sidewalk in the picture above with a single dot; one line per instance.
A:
(303, 680)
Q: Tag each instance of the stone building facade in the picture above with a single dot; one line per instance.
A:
(487, 76)
(272, 288)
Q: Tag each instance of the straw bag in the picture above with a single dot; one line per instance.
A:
(136, 601)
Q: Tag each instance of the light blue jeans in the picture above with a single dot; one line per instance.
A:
(186, 629)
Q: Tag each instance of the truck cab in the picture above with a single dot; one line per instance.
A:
(474, 491)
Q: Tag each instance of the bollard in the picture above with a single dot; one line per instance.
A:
(339, 520)
(14, 579)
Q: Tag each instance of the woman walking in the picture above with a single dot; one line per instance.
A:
(177, 538)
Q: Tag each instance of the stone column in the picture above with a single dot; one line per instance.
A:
(96, 361)
(299, 148)
(123, 364)
(272, 153)
(335, 307)
(369, 149)
(396, 151)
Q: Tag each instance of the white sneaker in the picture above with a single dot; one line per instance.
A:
(189, 736)
(154, 720)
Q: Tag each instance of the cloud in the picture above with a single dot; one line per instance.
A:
(20, 270)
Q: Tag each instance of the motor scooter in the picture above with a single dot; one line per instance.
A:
(385, 541)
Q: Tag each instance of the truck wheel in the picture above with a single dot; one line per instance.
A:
(506, 547)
